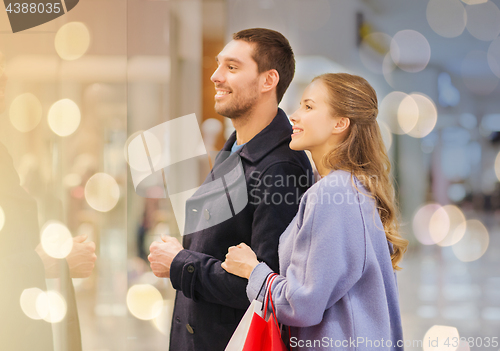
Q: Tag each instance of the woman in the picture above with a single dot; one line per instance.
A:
(337, 287)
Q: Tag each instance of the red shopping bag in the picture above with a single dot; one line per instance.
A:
(265, 335)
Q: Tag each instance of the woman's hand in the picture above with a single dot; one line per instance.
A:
(240, 260)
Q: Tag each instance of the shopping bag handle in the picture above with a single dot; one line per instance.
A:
(262, 286)
(269, 282)
(270, 298)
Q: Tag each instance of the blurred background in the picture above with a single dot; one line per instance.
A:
(77, 90)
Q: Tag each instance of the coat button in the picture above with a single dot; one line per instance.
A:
(206, 213)
(189, 329)
(190, 268)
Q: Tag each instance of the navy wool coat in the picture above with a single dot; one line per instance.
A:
(209, 301)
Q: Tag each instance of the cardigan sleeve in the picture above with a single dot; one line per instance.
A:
(328, 257)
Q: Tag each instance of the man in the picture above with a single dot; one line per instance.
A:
(254, 71)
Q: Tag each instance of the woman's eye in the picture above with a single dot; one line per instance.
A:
(308, 107)
(231, 67)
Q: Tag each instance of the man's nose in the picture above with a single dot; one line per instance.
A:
(217, 76)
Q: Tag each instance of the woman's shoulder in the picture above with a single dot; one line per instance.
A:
(337, 180)
(338, 187)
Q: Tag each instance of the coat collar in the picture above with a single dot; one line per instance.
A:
(273, 135)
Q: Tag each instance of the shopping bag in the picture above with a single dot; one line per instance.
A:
(240, 334)
(265, 335)
(255, 332)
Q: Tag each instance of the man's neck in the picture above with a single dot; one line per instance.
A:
(250, 125)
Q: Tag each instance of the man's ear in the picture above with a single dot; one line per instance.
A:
(272, 78)
(341, 125)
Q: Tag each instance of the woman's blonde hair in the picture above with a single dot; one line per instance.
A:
(363, 152)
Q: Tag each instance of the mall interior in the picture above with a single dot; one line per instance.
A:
(76, 92)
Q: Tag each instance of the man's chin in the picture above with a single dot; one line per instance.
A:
(223, 111)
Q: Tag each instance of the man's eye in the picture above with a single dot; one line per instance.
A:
(231, 68)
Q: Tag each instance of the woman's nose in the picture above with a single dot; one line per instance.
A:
(295, 117)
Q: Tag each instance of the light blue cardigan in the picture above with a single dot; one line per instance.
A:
(336, 288)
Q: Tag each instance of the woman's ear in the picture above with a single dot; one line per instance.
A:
(341, 125)
(272, 78)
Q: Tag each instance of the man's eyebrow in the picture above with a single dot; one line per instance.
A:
(228, 59)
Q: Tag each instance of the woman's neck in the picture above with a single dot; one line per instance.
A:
(318, 162)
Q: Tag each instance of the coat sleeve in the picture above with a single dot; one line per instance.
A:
(328, 258)
(200, 276)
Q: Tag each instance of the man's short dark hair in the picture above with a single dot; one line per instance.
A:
(272, 51)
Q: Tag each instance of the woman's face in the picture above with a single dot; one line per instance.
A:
(313, 123)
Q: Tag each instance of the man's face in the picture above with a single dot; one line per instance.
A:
(3, 82)
(236, 80)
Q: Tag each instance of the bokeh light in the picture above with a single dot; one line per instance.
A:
(102, 192)
(388, 111)
(427, 116)
(144, 301)
(456, 228)
(388, 67)
(57, 307)
(435, 338)
(408, 114)
(72, 41)
(477, 74)
(64, 117)
(494, 56)
(25, 112)
(56, 239)
(137, 155)
(474, 2)
(491, 122)
(34, 303)
(446, 17)
(474, 243)
(468, 120)
(497, 166)
(2, 218)
(463, 346)
(439, 225)
(138, 152)
(373, 50)
(410, 50)
(386, 134)
(428, 228)
(483, 20)
(163, 321)
(456, 192)
(161, 228)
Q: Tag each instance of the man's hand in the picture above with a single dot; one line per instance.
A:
(240, 260)
(162, 254)
(81, 259)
